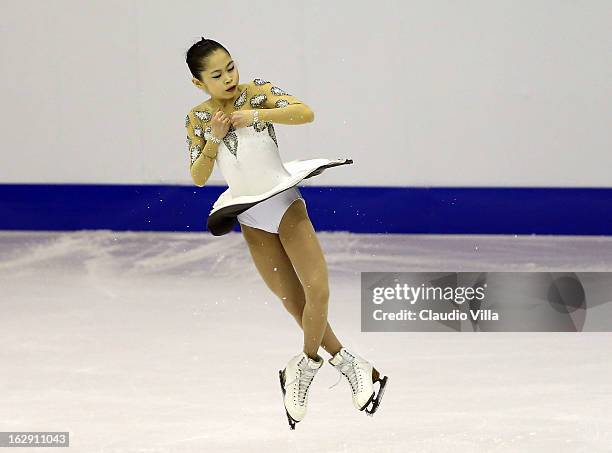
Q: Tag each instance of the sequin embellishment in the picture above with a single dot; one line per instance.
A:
(272, 133)
(203, 115)
(240, 100)
(186, 120)
(259, 81)
(258, 100)
(260, 126)
(276, 91)
(231, 141)
(195, 152)
(281, 103)
(197, 131)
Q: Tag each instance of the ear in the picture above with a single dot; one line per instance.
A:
(199, 84)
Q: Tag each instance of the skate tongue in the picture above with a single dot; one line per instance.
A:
(312, 364)
(315, 365)
(341, 356)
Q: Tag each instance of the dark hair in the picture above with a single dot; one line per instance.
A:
(197, 54)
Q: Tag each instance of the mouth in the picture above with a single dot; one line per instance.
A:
(231, 89)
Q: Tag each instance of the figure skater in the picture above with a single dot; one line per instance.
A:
(234, 128)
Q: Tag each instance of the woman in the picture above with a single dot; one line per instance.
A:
(234, 128)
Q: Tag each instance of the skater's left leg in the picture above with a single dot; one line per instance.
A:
(300, 242)
(277, 272)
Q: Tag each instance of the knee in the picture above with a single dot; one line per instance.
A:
(317, 293)
(293, 301)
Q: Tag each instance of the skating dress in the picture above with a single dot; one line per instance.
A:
(250, 162)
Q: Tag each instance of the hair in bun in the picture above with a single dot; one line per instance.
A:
(197, 54)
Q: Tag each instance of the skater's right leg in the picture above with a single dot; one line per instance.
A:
(301, 245)
(361, 376)
(278, 273)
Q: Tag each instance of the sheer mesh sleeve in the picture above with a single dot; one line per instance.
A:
(195, 137)
(268, 95)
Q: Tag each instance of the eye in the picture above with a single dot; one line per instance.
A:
(229, 69)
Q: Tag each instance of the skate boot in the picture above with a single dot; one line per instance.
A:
(295, 381)
(361, 376)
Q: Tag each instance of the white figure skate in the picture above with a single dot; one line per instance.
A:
(295, 381)
(361, 376)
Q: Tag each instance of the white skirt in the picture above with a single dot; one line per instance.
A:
(225, 210)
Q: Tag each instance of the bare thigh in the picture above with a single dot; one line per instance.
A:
(274, 265)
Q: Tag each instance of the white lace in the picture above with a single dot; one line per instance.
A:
(349, 370)
(305, 378)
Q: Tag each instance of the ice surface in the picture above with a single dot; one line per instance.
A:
(158, 342)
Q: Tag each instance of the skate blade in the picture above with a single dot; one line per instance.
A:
(378, 398)
(291, 421)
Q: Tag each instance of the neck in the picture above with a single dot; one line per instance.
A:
(223, 103)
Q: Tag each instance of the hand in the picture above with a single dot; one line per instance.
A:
(242, 118)
(219, 124)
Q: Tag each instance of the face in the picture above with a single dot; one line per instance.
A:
(220, 74)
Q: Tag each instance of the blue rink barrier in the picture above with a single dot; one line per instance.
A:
(426, 210)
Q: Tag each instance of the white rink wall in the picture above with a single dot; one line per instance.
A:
(473, 93)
